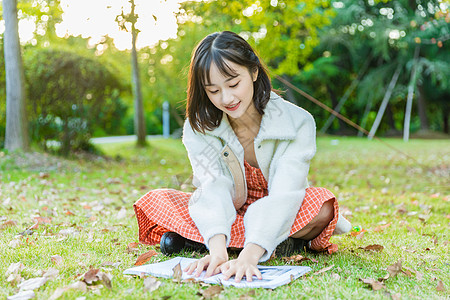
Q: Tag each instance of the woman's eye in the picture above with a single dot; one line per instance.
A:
(213, 92)
(235, 85)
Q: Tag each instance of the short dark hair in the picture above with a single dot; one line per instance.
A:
(217, 48)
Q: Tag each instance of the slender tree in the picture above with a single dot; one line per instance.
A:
(139, 121)
(16, 137)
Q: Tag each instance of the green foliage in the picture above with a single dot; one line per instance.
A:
(293, 25)
(68, 96)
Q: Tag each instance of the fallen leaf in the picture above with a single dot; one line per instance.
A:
(57, 260)
(122, 213)
(336, 276)
(440, 286)
(394, 269)
(24, 295)
(295, 258)
(381, 227)
(79, 286)
(396, 296)
(9, 223)
(419, 276)
(177, 272)
(14, 243)
(248, 296)
(51, 273)
(142, 259)
(324, 270)
(151, 284)
(374, 247)
(14, 269)
(32, 284)
(211, 292)
(375, 284)
(91, 276)
(356, 233)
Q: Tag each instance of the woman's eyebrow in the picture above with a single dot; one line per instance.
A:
(228, 79)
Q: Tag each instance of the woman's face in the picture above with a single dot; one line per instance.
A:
(232, 95)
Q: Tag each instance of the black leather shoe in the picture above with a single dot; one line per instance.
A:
(291, 246)
(172, 242)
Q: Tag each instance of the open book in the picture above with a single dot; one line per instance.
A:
(272, 276)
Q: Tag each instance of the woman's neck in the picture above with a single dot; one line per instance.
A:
(248, 124)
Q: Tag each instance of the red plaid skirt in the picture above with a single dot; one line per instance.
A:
(164, 210)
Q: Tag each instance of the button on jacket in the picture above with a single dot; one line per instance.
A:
(284, 146)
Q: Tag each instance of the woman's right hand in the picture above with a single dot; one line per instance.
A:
(210, 263)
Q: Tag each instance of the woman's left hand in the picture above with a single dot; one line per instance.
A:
(239, 268)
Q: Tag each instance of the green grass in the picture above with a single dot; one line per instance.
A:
(373, 184)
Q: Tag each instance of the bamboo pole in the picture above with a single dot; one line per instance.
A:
(409, 99)
(384, 103)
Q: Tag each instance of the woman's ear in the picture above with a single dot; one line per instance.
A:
(255, 74)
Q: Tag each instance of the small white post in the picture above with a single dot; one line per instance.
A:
(166, 120)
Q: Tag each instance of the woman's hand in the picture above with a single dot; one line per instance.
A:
(210, 263)
(239, 268)
(244, 265)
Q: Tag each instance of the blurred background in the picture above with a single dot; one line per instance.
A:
(364, 58)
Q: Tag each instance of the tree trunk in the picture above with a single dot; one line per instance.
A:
(16, 136)
(385, 101)
(445, 113)
(422, 108)
(139, 121)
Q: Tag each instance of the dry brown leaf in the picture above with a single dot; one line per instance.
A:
(177, 272)
(211, 292)
(440, 286)
(336, 276)
(151, 284)
(295, 258)
(374, 247)
(394, 269)
(91, 276)
(381, 227)
(57, 260)
(356, 233)
(396, 296)
(8, 223)
(375, 284)
(51, 273)
(324, 270)
(419, 276)
(145, 257)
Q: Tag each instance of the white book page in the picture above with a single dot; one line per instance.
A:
(272, 276)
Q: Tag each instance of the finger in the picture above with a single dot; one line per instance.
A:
(258, 274)
(200, 267)
(216, 271)
(192, 267)
(249, 275)
(210, 269)
(239, 275)
(227, 274)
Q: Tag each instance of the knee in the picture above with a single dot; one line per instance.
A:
(326, 213)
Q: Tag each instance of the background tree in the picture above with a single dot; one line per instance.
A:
(139, 121)
(16, 136)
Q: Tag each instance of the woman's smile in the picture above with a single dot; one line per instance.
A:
(233, 107)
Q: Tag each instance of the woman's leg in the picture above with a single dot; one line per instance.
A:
(318, 223)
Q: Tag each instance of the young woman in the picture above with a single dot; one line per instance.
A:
(250, 152)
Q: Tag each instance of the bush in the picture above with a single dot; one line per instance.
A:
(69, 96)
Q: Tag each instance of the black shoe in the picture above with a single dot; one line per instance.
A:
(291, 246)
(172, 242)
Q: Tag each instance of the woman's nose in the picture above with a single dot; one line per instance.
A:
(227, 97)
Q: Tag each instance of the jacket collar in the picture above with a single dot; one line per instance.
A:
(276, 123)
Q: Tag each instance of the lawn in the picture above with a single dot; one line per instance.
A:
(60, 218)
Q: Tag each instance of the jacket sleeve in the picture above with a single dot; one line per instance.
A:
(268, 221)
(211, 205)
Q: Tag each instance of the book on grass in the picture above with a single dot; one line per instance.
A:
(272, 276)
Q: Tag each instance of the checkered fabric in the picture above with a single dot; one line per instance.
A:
(164, 210)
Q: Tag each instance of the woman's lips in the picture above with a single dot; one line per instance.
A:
(233, 108)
